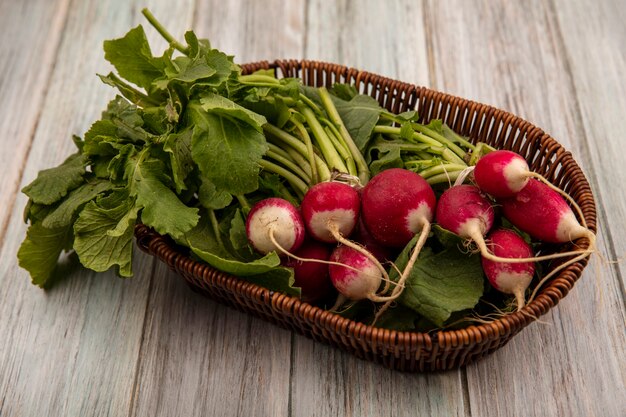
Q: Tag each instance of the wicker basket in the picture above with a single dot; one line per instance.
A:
(407, 351)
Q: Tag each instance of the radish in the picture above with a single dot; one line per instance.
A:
(464, 210)
(501, 174)
(364, 237)
(543, 214)
(354, 275)
(274, 224)
(330, 209)
(311, 276)
(398, 204)
(509, 278)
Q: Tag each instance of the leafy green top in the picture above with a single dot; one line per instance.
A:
(190, 143)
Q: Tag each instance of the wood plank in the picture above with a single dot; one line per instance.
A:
(199, 358)
(26, 61)
(597, 61)
(72, 350)
(252, 30)
(330, 382)
(386, 38)
(508, 54)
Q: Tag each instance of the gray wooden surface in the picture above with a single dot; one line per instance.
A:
(99, 345)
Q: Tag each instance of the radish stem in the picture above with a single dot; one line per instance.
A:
(163, 32)
(258, 78)
(309, 149)
(216, 227)
(295, 181)
(244, 203)
(397, 291)
(359, 160)
(297, 258)
(325, 144)
(287, 139)
(288, 164)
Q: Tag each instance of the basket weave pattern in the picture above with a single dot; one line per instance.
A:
(407, 351)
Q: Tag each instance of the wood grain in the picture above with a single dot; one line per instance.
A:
(199, 358)
(508, 54)
(597, 60)
(353, 387)
(253, 30)
(27, 60)
(71, 351)
(386, 38)
(98, 345)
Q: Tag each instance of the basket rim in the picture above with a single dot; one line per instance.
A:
(550, 294)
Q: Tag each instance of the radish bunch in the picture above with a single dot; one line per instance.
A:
(392, 208)
(397, 205)
(532, 205)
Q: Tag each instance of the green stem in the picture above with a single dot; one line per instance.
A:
(418, 163)
(352, 169)
(323, 141)
(343, 152)
(295, 182)
(301, 162)
(462, 141)
(409, 147)
(392, 130)
(447, 152)
(289, 164)
(311, 104)
(443, 178)
(481, 150)
(447, 142)
(216, 227)
(243, 201)
(328, 124)
(293, 142)
(258, 78)
(450, 156)
(288, 196)
(309, 149)
(166, 35)
(268, 85)
(279, 150)
(441, 169)
(327, 102)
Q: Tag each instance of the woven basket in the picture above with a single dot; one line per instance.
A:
(406, 351)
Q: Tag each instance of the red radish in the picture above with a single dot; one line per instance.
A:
(509, 278)
(274, 224)
(397, 204)
(506, 175)
(329, 209)
(464, 210)
(543, 214)
(364, 237)
(502, 174)
(311, 276)
(354, 275)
